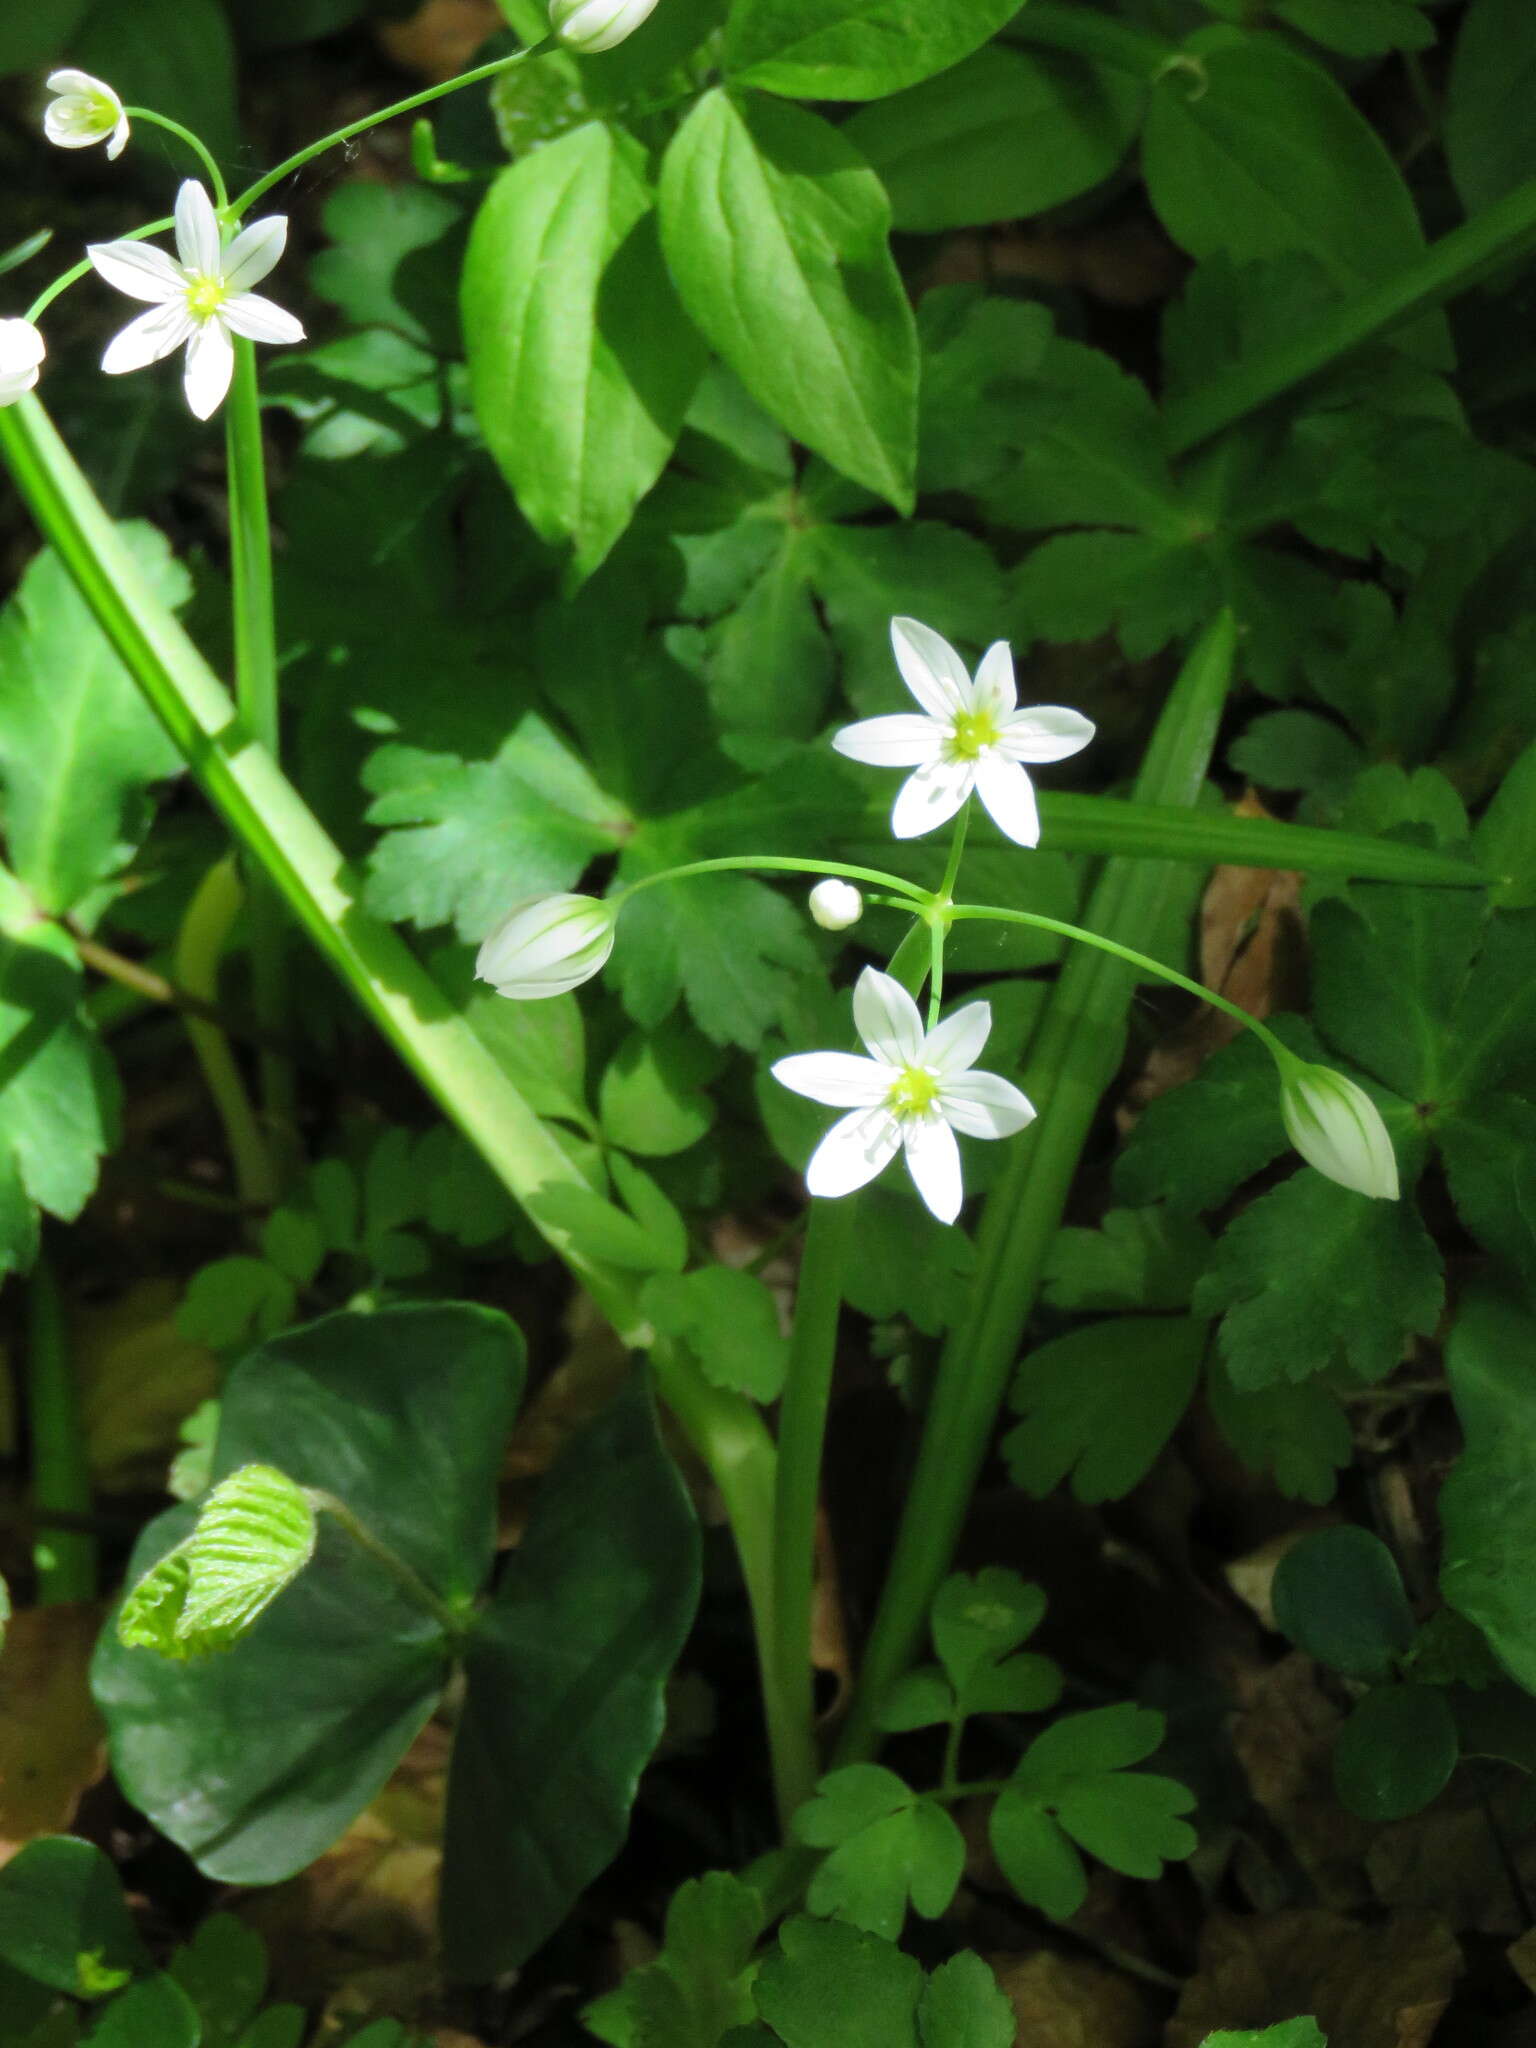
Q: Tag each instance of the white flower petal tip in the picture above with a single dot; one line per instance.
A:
(199, 297)
(835, 905)
(83, 112)
(910, 1095)
(968, 736)
(589, 26)
(547, 946)
(1337, 1128)
(21, 359)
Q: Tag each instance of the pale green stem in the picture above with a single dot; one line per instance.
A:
(938, 919)
(769, 864)
(197, 146)
(64, 1558)
(200, 946)
(85, 268)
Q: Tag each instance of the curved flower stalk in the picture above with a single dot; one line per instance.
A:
(969, 735)
(547, 946)
(911, 1095)
(201, 299)
(588, 26)
(83, 112)
(21, 359)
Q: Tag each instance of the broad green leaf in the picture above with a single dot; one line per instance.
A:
(1506, 833)
(699, 1986)
(1298, 1434)
(176, 56)
(1035, 1856)
(1492, 1033)
(888, 1847)
(377, 268)
(1387, 973)
(1259, 152)
(834, 1986)
(1146, 588)
(63, 1920)
(774, 229)
(38, 34)
(1002, 135)
(1361, 28)
(1100, 1403)
(79, 746)
(154, 2013)
(223, 1971)
(254, 1761)
(1089, 1744)
(1138, 1258)
(730, 1323)
(566, 1670)
(1488, 1504)
(654, 1096)
(581, 362)
(1288, 2034)
(1339, 1596)
(1488, 1148)
(1488, 140)
(964, 2006)
(852, 49)
(1313, 1275)
(1130, 1820)
(1396, 1751)
(58, 1094)
(1198, 1142)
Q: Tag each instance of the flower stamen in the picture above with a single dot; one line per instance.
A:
(913, 1093)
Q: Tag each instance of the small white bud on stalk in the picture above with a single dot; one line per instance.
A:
(1337, 1128)
(588, 26)
(84, 111)
(547, 946)
(21, 358)
(835, 905)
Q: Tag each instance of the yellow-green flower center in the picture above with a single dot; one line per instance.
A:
(974, 732)
(913, 1092)
(205, 295)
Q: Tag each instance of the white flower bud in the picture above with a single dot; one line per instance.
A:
(85, 111)
(835, 905)
(21, 357)
(1337, 1128)
(588, 26)
(546, 946)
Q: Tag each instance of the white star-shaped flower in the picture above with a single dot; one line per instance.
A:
(21, 358)
(201, 298)
(969, 736)
(84, 111)
(911, 1095)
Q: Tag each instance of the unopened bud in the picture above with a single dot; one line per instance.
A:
(1337, 1128)
(547, 946)
(588, 26)
(835, 905)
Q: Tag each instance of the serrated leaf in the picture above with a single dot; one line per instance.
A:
(1299, 1434)
(1387, 971)
(978, 1618)
(775, 234)
(1137, 1258)
(964, 2006)
(653, 1098)
(833, 1986)
(1194, 1145)
(727, 944)
(852, 49)
(888, 1846)
(729, 1321)
(1100, 1403)
(699, 1986)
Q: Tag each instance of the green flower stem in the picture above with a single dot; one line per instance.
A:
(775, 863)
(65, 1560)
(938, 916)
(85, 268)
(250, 546)
(200, 944)
(297, 161)
(1074, 1058)
(195, 143)
(455, 1623)
(1496, 237)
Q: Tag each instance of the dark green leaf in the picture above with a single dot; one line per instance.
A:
(1300, 1434)
(833, 1986)
(1396, 1751)
(1035, 1856)
(63, 1920)
(1506, 833)
(223, 1971)
(154, 2013)
(964, 2006)
(1387, 970)
(852, 49)
(1360, 28)
(1194, 1145)
(1488, 140)
(38, 34)
(1100, 1403)
(176, 56)
(1138, 1258)
(1339, 1596)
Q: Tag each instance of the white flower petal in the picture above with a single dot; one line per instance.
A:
(984, 1106)
(138, 269)
(1010, 799)
(197, 232)
(119, 141)
(857, 1147)
(255, 251)
(148, 339)
(258, 319)
(67, 79)
(994, 688)
(903, 739)
(887, 1019)
(68, 125)
(931, 669)
(843, 1080)
(210, 365)
(953, 1046)
(1046, 732)
(931, 797)
(933, 1160)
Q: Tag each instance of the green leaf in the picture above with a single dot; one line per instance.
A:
(1506, 832)
(223, 1971)
(79, 746)
(566, 1670)
(978, 1618)
(1035, 1856)
(1288, 2034)
(1488, 1504)
(1197, 1143)
(1396, 1751)
(964, 2006)
(1313, 1275)
(1488, 1147)
(1299, 1434)
(1360, 28)
(1339, 1596)
(1145, 588)
(775, 233)
(38, 34)
(470, 839)
(1100, 1403)
(255, 1761)
(176, 56)
(378, 269)
(63, 1920)
(1002, 135)
(1138, 1258)
(699, 1986)
(154, 2013)
(581, 366)
(654, 1096)
(833, 1986)
(909, 1264)
(852, 49)
(58, 1095)
(1488, 141)
(1129, 1821)
(1262, 153)
(729, 1321)
(888, 1847)
(1100, 1740)
(1076, 1776)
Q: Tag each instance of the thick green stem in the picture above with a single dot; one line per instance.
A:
(1072, 1062)
(200, 944)
(65, 1558)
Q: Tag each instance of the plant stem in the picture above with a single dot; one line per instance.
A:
(200, 946)
(455, 1624)
(195, 143)
(65, 1560)
(939, 925)
(250, 541)
(1072, 1062)
(85, 268)
(769, 864)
